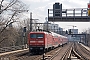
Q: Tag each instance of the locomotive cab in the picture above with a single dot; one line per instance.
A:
(36, 42)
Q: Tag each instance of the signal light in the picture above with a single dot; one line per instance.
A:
(24, 30)
(88, 12)
(66, 32)
(70, 31)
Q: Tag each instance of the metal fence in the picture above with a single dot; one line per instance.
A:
(13, 48)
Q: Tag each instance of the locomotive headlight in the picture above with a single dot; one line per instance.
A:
(32, 41)
(40, 41)
(31, 48)
(41, 48)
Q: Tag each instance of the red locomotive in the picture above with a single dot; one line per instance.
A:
(44, 41)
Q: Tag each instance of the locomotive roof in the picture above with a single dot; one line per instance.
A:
(54, 34)
(39, 32)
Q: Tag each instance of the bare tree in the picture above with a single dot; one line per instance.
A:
(15, 7)
(10, 12)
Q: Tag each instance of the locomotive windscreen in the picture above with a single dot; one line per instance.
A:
(36, 35)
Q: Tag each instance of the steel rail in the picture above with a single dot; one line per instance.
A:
(67, 53)
(78, 52)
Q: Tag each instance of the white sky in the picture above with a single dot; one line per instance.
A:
(39, 8)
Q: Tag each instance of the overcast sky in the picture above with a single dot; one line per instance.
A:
(39, 8)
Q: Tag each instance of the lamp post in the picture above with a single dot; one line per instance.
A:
(31, 21)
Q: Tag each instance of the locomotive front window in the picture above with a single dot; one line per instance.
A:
(36, 35)
(40, 35)
(32, 35)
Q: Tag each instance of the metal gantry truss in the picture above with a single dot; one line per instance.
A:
(70, 15)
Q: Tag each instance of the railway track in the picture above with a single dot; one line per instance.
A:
(27, 56)
(67, 54)
(81, 52)
(51, 54)
(61, 53)
(44, 56)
